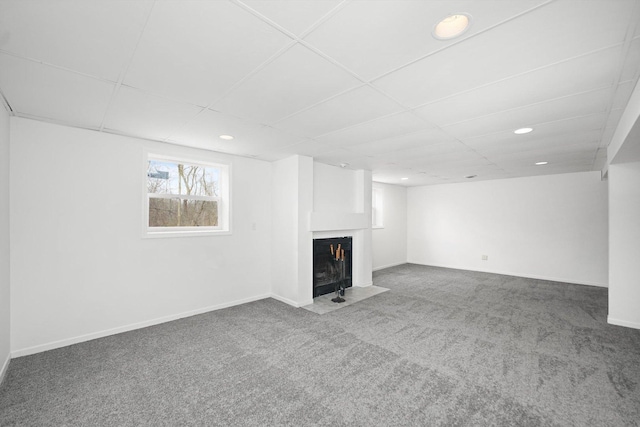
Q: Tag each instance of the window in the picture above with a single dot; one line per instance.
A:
(376, 208)
(186, 197)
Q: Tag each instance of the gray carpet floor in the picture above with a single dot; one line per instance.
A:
(442, 347)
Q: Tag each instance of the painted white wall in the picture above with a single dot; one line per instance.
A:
(627, 133)
(363, 258)
(624, 244)
(390, 241)
(342, 207)
(5, 330)
(337, 201)
(284, 229)
(306, 167)
(80, 268)
(291, 243)
(552, 227)
(334, 189)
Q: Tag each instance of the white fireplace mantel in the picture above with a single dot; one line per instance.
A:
(314, 200)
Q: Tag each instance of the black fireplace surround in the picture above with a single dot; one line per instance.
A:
(325, 269)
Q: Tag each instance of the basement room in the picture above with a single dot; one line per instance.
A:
(319, 213)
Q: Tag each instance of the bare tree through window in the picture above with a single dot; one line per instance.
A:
(182, 195)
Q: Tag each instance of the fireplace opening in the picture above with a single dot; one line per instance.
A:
(326, 271)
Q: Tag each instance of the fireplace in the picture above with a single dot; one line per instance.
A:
(326, 271)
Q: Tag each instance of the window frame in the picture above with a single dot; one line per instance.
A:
(223, 200)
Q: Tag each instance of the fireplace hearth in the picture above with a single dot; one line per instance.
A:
(326, 272)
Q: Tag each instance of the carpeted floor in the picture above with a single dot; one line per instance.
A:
(442, 347)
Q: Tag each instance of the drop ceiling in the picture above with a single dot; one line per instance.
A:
(357, 81)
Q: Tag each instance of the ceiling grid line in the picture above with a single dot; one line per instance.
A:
(631, 28)
(521, 107)
(370, 83)
(125, 68)
(456, 42)
(252, 73)
(212, 104)
(310, 78)
(518, 75)
(544, 123)
(6, 105)
(58, 67)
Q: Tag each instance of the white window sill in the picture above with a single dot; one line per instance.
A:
(377, 227)
(167, 234)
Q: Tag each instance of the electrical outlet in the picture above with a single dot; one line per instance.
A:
(485, 257)
(253, 226)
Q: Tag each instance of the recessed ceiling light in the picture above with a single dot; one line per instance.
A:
(451, 26)
(522, 131)
(541, 163)
(226, 137)
(404, 178)
(470, 176)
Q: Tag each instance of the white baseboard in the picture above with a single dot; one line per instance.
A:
(389, 265)
(624, 323)
(509, 273)
(94, 335)
(362, 285)
(289, 301)
(4, 368)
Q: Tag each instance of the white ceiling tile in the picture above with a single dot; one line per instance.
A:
(517, 46)
(632, 61)
(614, 118)
(558, 153)
(560, 128)
(582, 160)
(195, 51)
(539, 144)
(461, 163)
(533, 115)
(293, 15)
(374, 37)
(579, 75)
(568, 78)
(558, 168)
(413, 140)
(356, 106)
(378, 129)
(458, 171)
(336, 156)
(622, 95)
(306, 147)
(249, 139)
(140, 114)
(607, 136)
(600, 159)
(48, 92)
(92, 37)
(295, 80)
(363, 162)
(431, 153)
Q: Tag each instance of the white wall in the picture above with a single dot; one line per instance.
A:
(80, 268)
(334, 189)
(550, 227)
(342, 207)
(314, 200)
(625, 143)
(291, 242)
(624, 244)
(390, 241)
(4, 244)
